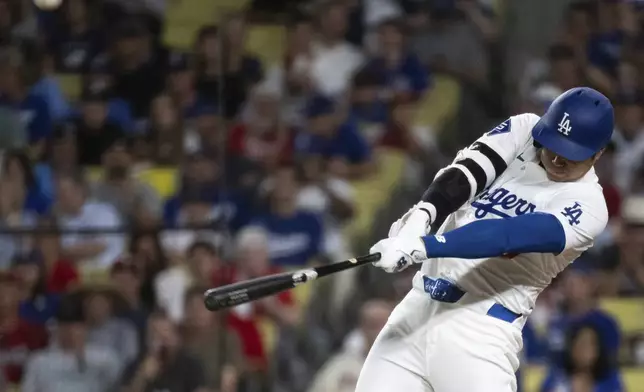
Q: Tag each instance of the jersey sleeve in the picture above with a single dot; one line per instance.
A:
(487, 158)
(583, 216)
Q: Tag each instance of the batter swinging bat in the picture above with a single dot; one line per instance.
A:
(250, 290)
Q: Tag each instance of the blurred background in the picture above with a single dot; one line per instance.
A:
(152, 149)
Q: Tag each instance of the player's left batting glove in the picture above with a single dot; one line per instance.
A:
(398, 253)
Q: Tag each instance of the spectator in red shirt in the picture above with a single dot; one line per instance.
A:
(18, 337)
(60, 274)
(261, 137)
(251, 262)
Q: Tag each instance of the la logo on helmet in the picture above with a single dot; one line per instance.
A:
(564, 125)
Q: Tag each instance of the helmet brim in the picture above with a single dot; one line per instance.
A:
(552, 140)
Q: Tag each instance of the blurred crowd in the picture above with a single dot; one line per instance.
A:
(102, 275)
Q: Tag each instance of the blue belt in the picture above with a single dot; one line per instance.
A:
(443, 290)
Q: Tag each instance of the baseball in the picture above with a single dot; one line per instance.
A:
(48, 5)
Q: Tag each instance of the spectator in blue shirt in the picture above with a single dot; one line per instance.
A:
(579, 307)
(39, 306)
(368, 109)
(17, 168)
(587, 366)
(401, 71)
(32, 110)
(201, 191)
(339, 141)
(295, 237)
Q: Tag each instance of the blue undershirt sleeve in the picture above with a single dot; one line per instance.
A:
(529, 233)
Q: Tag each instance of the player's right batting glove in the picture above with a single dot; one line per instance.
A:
(398, 253)
(415, 222)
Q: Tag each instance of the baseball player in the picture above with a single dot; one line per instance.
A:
(517, 206)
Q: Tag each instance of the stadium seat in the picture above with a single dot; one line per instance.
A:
(266, 42)
(633, 379)
(162, 179)
(628, 312)
(391, 165)
(184, 18)
(532, 376)
(269, 334)
(71, 85)
(440, 103)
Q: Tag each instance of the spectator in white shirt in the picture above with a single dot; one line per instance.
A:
(340, 372)
(75, 214)
(334, 60)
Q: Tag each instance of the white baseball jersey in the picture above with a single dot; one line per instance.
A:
(523, 187)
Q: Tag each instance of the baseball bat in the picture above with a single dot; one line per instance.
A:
(253, 289)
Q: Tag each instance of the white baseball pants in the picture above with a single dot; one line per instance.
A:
(430, 346)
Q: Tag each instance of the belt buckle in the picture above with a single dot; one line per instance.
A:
(442, 290)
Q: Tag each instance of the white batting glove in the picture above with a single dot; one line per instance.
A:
(398, 253)
(415, 222)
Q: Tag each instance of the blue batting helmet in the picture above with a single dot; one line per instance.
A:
(577, 124)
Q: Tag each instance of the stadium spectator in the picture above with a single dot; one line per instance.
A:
(181, 85)
(400, 70)
(579, 307)
(61, 156)
(75, 38)
(18, 336)
(13, 216)
(94, 131)
(76, 213)
(207, 130)
(72, 364)
(137, 66)
(629, 140)
(295, 236)
(202, 198)
(163, 141)
(105, 329)
(200, 268)
(251, 261)
(17, 168)
(328, 134)
(623, 263)
(340, 372)
(447, 43)
(47, 86)
(38, 305)
(219, 65)
(329, 197)
(33, 112)
(291, 79)
(61, 274)
(334, 60)
(205, 333)
(261, 137)
(586, 365)
(126, 279)
(165, 365)
(149, 258)
(133, 199)
(368, 106)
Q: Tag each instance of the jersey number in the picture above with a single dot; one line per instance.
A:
(504, 127)
(573, 213)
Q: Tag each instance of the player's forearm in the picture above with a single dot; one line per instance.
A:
(530, 233)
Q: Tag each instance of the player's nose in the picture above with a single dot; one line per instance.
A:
(559, 161)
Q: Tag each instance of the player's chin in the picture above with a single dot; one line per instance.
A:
(558, 175)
